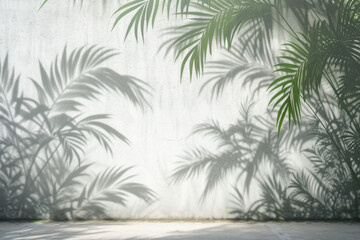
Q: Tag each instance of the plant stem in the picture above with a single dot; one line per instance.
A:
(344, 155)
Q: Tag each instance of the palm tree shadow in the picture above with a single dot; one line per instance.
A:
(82, 196)
(45, 137)
(242, 150)
(105, 4)
(325, 190)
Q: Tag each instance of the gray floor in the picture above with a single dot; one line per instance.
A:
(217, 230)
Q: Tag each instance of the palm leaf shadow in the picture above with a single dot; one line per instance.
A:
(80, 195)
(242, 148)
(105, 4)
(45, 133)
(324, 191)
(246, 62)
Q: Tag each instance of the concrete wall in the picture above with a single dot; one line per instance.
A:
(159, 135)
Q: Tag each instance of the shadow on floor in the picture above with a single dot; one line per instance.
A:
(180, 230)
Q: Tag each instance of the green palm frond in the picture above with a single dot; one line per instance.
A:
(328, 42)
(289, 87)
(146, 11)
(330, 37)
(309, 61)
(217, 22)
(42, 5)
(209, 22)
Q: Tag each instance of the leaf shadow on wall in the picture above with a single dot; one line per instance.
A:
(105, 4)
(43, 169)
(253, 152)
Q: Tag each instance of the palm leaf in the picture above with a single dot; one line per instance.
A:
(145, 13)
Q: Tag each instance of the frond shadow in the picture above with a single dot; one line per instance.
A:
(44, 139)
(242, 150)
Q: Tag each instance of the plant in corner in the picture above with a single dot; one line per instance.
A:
(320, 50)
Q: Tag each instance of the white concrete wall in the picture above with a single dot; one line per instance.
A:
(160, 136)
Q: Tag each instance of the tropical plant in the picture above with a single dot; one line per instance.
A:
(251, 67)
(48, 130)
(324, 191)
(329, 190)
(326, 44)
(319, 60)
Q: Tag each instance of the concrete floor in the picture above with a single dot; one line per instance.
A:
(217, 230)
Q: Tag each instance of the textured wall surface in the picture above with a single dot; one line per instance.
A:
(160, 135)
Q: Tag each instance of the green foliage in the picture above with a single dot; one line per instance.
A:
(209, 22)
(318, 67)
(44, 138)
(327, 43)
(288, 86)
(328, 190)
(146, 11)
(305, 194)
